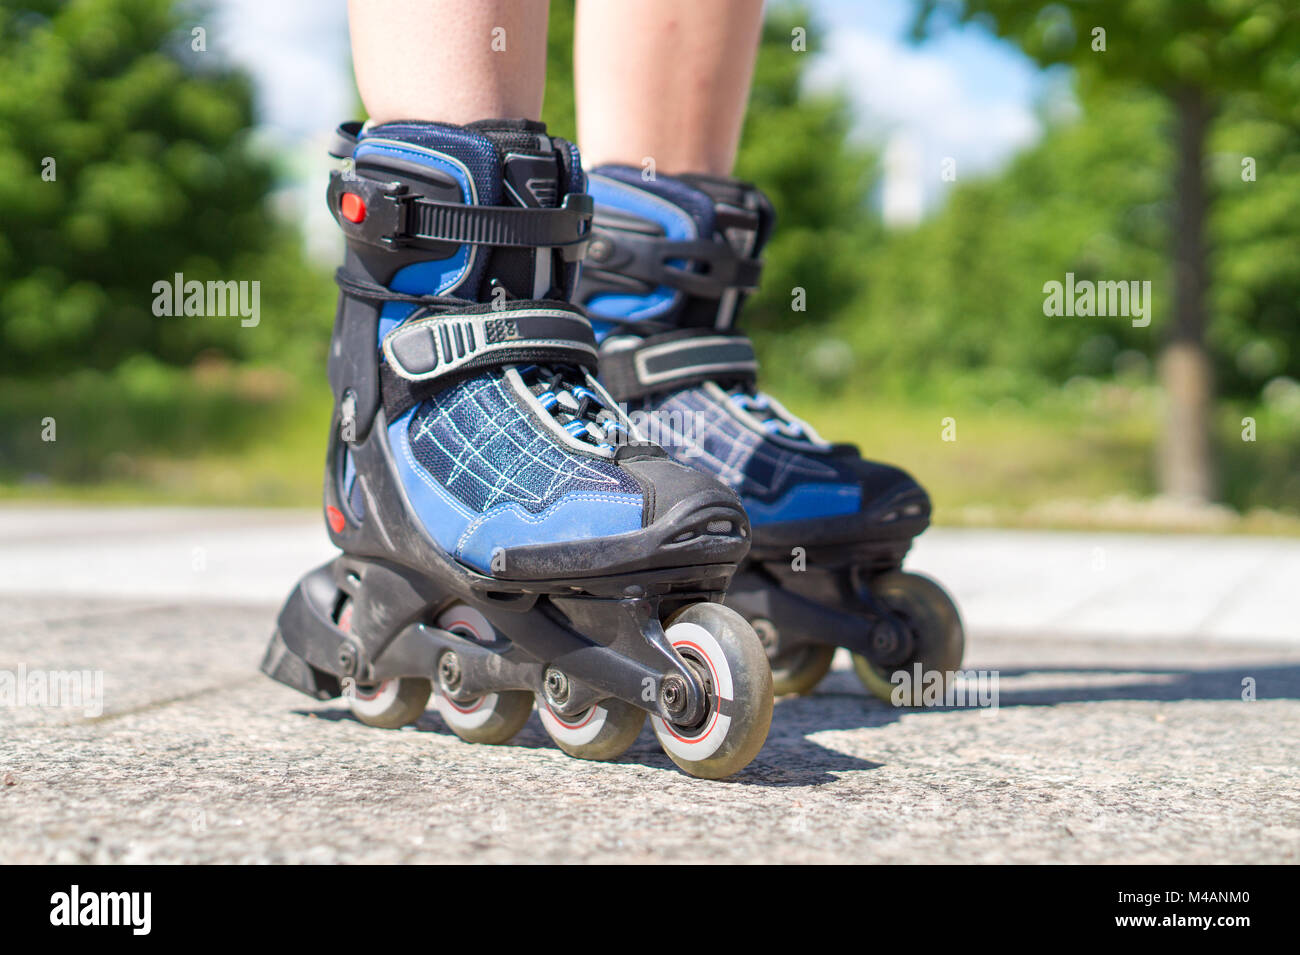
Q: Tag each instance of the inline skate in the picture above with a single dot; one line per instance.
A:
(669, 265)
(507, 539)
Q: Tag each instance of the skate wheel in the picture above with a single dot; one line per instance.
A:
(493, 717)
(727, 654)
(391, 704)
(797, 671)
(604, 731)
(936, 629)
(800, 671)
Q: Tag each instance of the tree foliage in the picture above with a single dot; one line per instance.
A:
(958, 301)
(1225, 46)
(797, 147)
(125, 159)
(1199, 57)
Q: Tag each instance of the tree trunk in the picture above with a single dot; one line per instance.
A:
(1186, 463)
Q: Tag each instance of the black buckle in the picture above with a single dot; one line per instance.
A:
(649, 258)
(396, 217)
(727, 269)
(387, 208)
(675, 360)
(434, 345)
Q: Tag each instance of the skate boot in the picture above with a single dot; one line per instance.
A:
(505, 541)
(668, 268)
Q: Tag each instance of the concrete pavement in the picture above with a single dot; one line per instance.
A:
(1064, 584)
(1125, 732)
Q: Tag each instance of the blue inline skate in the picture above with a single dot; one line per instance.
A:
(668, 268)
(505, 539)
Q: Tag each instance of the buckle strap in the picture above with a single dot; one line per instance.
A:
(389, 215)
(649, 259)
(675, 360)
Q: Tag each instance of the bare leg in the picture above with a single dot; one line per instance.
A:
(665, 79)
(449, 61)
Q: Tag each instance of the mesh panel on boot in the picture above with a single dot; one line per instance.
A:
(477, 441)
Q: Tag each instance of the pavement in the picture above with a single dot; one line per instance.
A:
(1148, 712)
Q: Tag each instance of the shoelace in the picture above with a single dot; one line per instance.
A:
(773, 419)
(761, 407)
(577, 409)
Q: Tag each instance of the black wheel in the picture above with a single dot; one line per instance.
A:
(935, 624)
(389, 705)
(726, 653)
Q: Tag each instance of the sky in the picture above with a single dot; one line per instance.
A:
(964, 96)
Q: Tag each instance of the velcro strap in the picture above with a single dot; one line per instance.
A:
(392, 216)
(677, 360)
(448, 343)
(424, 354)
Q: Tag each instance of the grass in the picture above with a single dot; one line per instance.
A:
(1083, 458)
(213, 435)
(237, 436)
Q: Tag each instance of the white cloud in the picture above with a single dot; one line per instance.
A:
(912, 93)
(298, 52)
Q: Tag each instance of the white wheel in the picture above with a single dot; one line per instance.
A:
(604, 731)
(723, 649)
(391, 704)
(493, 717)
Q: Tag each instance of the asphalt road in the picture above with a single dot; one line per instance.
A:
(1105, 748)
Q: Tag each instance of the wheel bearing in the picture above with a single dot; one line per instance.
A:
(556, 687)
(673, 694)
(449, 672)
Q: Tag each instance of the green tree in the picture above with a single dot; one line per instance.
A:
(1255, 230)
(797, 148)
(124, 159)
(1194, 55)
(956, 304)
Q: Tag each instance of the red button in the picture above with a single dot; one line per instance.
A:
(353, 209)
(335, 517)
